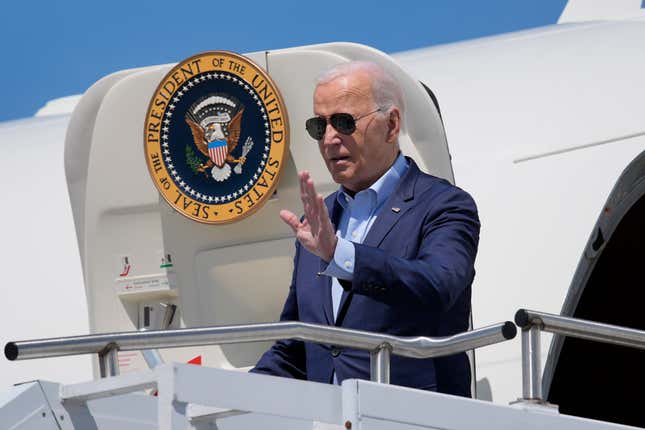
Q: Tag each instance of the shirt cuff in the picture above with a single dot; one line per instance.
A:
(341, 265)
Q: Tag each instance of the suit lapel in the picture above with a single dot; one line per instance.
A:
(335, 212)
(393, 209)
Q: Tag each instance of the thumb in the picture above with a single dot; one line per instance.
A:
(290, 219)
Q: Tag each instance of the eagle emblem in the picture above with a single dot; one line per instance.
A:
(215, 122)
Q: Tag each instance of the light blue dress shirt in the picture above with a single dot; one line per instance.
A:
(359, 214)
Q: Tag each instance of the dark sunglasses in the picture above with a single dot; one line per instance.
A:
(342, 122)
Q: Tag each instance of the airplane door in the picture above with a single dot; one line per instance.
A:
(592, 379)
(142, 257)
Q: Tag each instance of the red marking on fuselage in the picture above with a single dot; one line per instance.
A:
(126, 270)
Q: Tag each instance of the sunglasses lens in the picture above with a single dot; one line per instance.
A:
(343, 122)
(316, 127)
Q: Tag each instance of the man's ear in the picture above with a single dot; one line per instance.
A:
(393, 124)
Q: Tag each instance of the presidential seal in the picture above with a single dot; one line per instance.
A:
(216, 137)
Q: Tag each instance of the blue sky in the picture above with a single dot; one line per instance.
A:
(56, 48)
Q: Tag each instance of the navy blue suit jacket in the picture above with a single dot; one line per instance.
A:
(412, 277)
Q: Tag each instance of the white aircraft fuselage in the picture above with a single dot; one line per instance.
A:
(539, 124)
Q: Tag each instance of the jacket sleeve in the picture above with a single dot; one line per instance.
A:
(286, 357)
(443, 266)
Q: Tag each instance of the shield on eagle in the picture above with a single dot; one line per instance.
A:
(217, 150)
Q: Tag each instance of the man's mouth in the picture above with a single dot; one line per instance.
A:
(338, 158)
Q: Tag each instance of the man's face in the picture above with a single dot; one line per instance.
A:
(356, 161)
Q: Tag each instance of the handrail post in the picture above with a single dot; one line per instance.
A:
(109, 360)
(531, 361)
(380, 364)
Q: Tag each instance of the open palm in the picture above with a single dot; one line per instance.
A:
(316, 232)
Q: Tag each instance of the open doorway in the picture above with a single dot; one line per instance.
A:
(596, 380)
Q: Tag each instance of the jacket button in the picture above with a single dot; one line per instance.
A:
(335, 352)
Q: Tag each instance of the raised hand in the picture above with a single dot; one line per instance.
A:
(316, 232)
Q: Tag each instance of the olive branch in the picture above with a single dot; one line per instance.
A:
(192, 159)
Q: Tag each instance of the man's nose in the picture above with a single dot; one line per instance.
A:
(331, 136)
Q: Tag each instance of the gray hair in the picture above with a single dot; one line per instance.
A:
(385, 89)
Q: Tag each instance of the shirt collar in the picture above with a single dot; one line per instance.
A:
(383, 187)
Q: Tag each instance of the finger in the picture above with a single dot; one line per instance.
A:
(315, 209)
(326, 226)
(306, 202)
(320, 210)
(327, 233)
(323, 216)
(301, 183)
(310, 188)
(316, 199)
(302, 179)
(290, 219)
(309, 215)
(304, 195)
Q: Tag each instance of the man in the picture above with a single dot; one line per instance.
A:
(392, 251)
